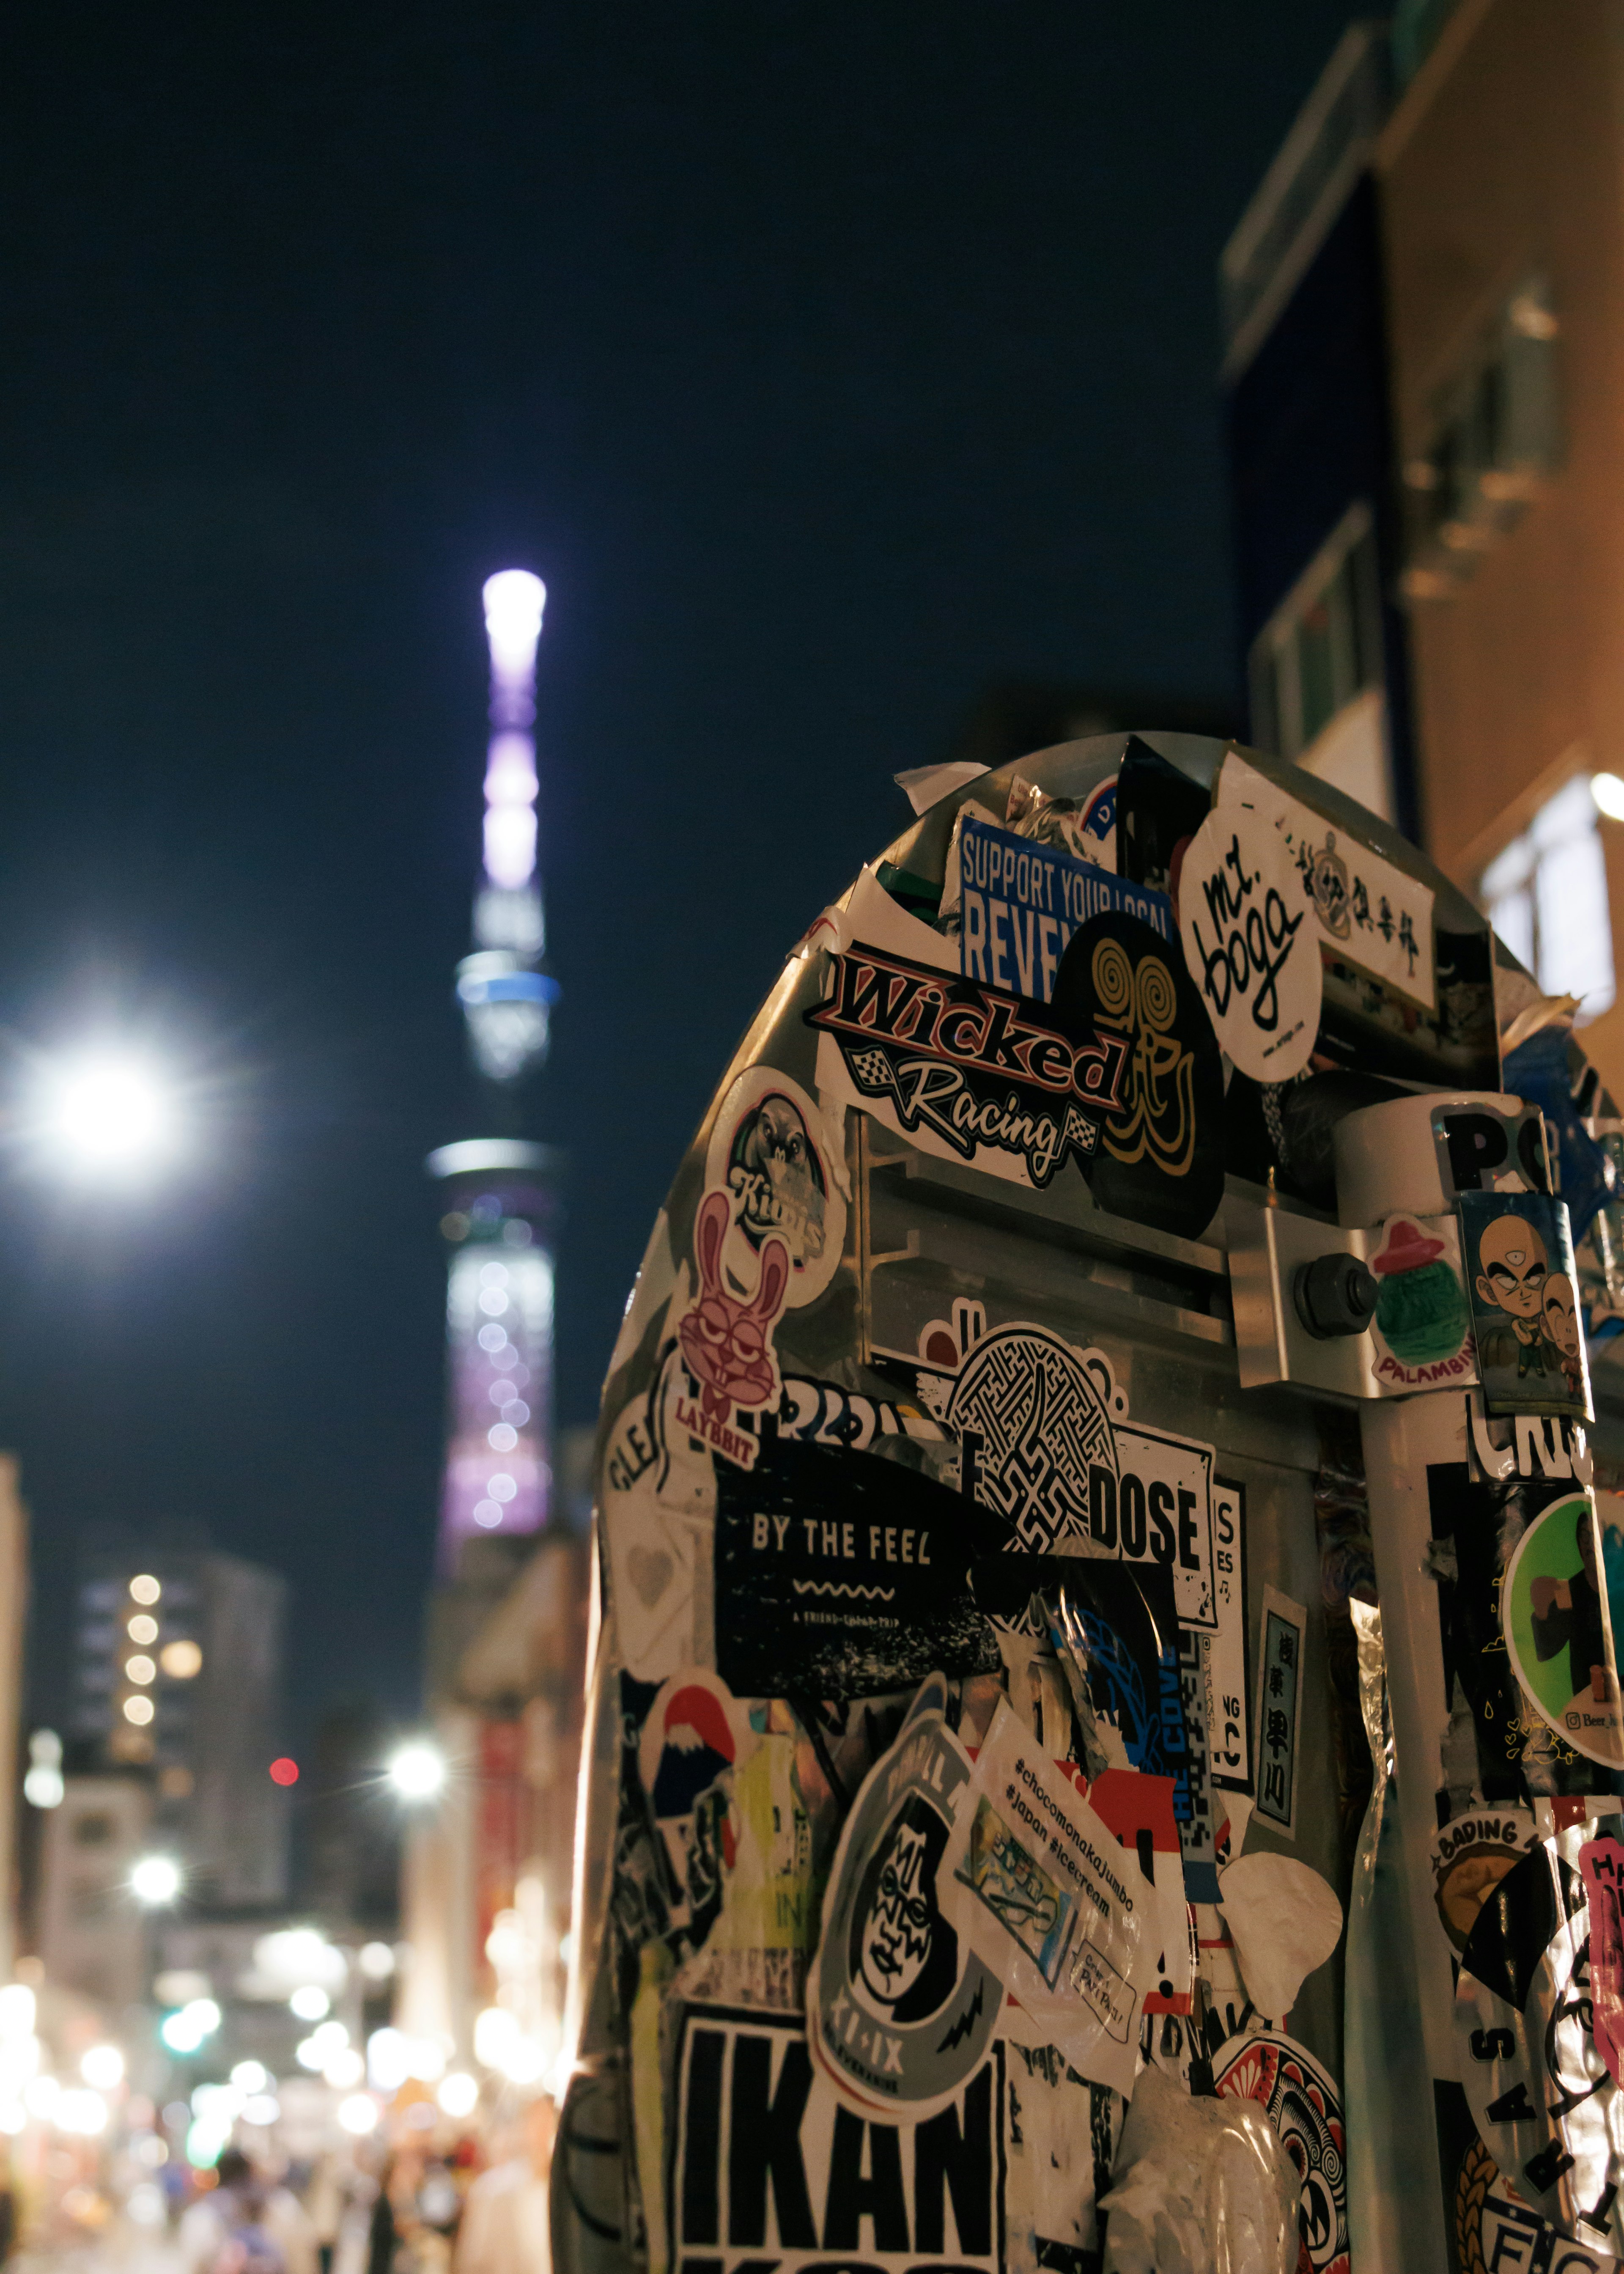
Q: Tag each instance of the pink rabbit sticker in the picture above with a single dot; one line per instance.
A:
(727, 1343)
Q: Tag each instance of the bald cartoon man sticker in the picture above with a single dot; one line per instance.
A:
(1525, 1306)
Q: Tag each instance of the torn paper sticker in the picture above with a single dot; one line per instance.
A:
(1284, 1920)
(1062, 1910)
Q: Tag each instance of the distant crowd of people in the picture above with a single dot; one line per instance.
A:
(432, 2212)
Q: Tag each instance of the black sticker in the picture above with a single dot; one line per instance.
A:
(1488, 1748)
(1158, 809)
(767, 2157)
(844, 1575)
(1160, 1158)
(996, 1080)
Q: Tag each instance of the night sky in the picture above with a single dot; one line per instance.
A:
(831, 362)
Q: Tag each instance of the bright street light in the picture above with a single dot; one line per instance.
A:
(156, 1880)
(417, 1772)
(109, 1112)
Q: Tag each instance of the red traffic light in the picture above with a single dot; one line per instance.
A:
(284, 1771)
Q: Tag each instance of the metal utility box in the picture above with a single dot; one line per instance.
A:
(1102, 1569)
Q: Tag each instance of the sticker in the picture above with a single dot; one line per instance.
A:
(1364, 907)
(657, 1495)
(1601, 1867)
(967, 1072)
(782, 1162)
(1250, 943)
(1197, 1832)
(1483, 1151)
(1020, 903)
(1158, 809)
(1099, 825)
(693, 1738)
(1470, 1857)
(1284, 1919)
(1045, 1442)
(1538, 1072)
(1422, 1330)
(1555, 1617)
(1536, 2081)
(1223, 1654)
(727, 1340)
(1498, 1746)
(1495, 2229)
(1159, 1160)
(1525, 1304)
(1063, 2142)
(845, 1576)
(1083, 826)
(1033, 1418)
(901, 2007)
(1060, 1909)
(767, 2159)
(1116, 1624)
(1305, 2111)
(1280, 1691)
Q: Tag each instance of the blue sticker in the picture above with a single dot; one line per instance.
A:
(1022, 901)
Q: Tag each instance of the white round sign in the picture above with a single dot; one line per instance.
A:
(1250, 944)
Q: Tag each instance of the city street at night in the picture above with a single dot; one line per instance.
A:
(812, 1138)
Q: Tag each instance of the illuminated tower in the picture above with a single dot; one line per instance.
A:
(498, 1189)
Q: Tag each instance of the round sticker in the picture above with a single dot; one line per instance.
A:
(1555, 1628)
(1159, 1159)
(1304, 2111)
(1471, 1857)
(899, 2009)
(1536, 2081)
(773, 1151)
(1250, 945)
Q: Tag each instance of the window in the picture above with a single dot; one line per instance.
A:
(1496, 437)
(1546, 896)
(1322, 646)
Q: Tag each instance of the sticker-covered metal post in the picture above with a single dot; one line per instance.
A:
(1503, 1700)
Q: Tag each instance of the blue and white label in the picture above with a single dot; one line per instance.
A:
(1021, 902)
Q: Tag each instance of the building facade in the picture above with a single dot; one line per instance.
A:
(176, 1679)
(1425, 345)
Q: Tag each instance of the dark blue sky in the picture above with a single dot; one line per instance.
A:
(832, 360)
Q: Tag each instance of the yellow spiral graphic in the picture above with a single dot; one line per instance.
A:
(1157, 1001)
(1113, 979)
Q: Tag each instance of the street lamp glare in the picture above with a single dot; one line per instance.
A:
(154, 1880)
(417, 1770)
(111, 1112)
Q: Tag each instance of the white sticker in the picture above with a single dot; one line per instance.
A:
(1365, 910)
(1062, 1912)
(780, 1158)
(1223, 1655)
(1251, 944)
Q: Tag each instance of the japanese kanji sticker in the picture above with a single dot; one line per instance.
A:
(1280, 1697)
(1364, 908)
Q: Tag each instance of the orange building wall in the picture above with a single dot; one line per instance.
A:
(1505, 158)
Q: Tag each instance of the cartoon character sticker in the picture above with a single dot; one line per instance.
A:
(780, 1158)
(900, 2008)
(1423, 1324)
(1558, 1632)
(1525, 1304)
(1471, 1855)
(726, 1342)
